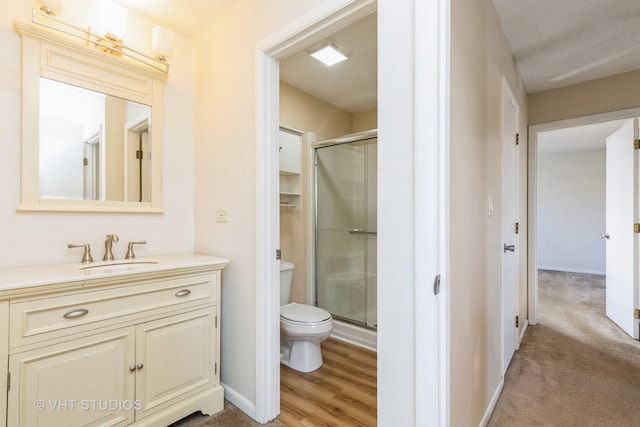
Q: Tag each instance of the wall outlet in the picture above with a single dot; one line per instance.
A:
(222, 215)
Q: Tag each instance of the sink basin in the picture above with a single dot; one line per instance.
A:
(116, 266)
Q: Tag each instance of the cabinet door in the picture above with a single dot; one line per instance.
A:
(175, 357)
(289, 145)
(83, 382)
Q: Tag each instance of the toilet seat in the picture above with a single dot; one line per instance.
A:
(304, 314)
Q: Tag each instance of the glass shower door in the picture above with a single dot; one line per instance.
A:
(346, 231)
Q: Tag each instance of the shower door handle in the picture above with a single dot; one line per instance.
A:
(350, 230)
(358, 231)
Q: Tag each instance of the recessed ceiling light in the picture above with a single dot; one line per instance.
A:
(329, 54)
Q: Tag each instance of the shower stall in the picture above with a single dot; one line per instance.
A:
(346, 227)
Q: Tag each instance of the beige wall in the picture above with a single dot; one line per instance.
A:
(115, 111)
(365, 120)
(307, 113)
(480, 56)
(302, 111)
(596, 96)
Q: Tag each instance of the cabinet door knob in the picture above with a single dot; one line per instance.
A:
(132, 368)
(140, 366)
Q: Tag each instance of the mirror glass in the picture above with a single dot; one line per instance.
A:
(93, 146)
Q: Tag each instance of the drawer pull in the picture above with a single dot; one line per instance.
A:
(76, 313)
(183, 293)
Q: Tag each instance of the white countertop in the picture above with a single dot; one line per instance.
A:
(14, 278)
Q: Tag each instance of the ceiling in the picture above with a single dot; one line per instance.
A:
(185, 16)
(586, 137)
(555, 43)
(350, 85)
(562, 42)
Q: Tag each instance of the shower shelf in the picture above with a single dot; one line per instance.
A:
(290, 187)
(290, 169)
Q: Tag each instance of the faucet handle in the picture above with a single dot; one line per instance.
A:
(86, 257)
(130, 254)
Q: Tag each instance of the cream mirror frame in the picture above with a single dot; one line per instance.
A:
(45, 54)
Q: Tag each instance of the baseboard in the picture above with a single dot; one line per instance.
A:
(239, 401)
(492, 404)
(524, 331)
(355, 335)
(573, 270)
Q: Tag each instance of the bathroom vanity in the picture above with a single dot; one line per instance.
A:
(118, 343)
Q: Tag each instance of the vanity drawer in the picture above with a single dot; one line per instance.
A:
(37, 320)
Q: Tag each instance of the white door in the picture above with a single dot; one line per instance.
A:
(621, 264)
(509, 220)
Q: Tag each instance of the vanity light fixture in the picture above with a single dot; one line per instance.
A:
(110, 19)
(329, 54)
(51, 7)
(162, 43)
(108, 42)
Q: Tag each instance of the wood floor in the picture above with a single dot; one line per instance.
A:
(342, 392)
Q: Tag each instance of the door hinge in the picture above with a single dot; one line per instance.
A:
(436, 285)
(278, 254)
(8, 381)
(139, 154)
(215, 368)
(517, 321)
(517, 227)
(636, 144)
(517, 139)
(216, 322)
(85, 162)
(636, 314)
(636, 228)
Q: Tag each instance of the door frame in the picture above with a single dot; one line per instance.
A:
(508, 93)
(532, 274)
(415, 322)
(325, 19)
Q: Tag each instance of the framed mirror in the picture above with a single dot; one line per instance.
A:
(91, 128)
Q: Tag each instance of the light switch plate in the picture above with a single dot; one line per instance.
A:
(222, 215)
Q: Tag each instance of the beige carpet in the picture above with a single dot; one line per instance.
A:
(576, 367)
(229, 417)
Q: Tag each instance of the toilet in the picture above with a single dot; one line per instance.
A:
(302, 327)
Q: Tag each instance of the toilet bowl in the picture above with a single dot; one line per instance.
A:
(302, 328)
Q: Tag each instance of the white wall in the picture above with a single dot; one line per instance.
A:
(225, 169)
(571, 210)
(480, 55)
(40, 238)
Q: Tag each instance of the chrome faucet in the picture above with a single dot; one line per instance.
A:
(111, 239)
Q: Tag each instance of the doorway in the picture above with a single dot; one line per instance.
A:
(561, 256)
(414, 73)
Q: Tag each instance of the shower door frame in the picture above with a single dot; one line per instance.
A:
(313, 220)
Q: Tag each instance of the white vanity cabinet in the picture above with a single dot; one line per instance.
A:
(137, 349)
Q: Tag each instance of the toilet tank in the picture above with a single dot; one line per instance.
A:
(286, 278)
